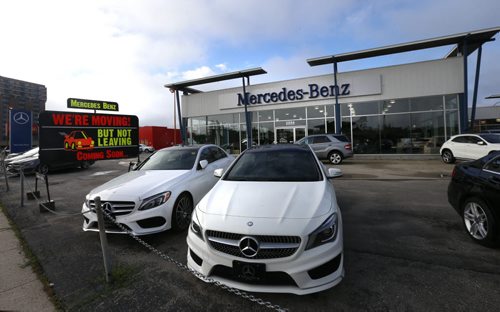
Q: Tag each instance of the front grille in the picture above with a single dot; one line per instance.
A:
(271, 246)
(115, 208)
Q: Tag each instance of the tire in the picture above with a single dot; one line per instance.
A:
(447, 157)
(73, 147)
(181, 214)
(43, 168)
(335, 157)
(480, 222)
(66, 145)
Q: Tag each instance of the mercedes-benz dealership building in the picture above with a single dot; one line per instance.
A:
(403, 109)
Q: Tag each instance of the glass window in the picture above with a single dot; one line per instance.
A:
(395, 106)
(266, 133)
(366, 134)
(317, 111)
(253, 116)
(451, 123)
(460, 139)
(320, 139)
(451, 101)
(395, 134)
(427, 132)
(266, 116)
(275, 165)
(316, 126)
(170, 159)
(290, 113)
(426, 103)
(364, 108)
(494, 165)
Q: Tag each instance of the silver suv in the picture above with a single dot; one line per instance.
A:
(333, 147)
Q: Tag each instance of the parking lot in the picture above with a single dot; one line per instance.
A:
(405, 249)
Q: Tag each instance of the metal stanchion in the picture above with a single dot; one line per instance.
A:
(104, 239)
(21, 174)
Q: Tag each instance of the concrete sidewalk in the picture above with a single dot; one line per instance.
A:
(20, 288)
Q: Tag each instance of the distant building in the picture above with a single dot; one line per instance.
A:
(159, 137)
(487, 118)
(20, 94)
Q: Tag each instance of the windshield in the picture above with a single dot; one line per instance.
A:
(170, 159)
(275, 165)
(491, 138)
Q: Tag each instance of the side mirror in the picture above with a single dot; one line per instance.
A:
(334, 173)
(480, 143)
(203, 163)
(132, 165)
(218, 172)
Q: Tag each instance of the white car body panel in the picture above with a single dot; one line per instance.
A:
(135, 186)
(470, 151)
(269, 208)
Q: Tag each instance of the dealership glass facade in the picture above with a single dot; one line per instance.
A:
(401, 126)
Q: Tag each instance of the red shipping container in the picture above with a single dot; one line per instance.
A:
(159, 137)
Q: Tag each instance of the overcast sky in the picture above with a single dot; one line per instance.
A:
(126, 51)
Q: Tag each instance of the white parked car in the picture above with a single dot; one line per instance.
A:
(146, 148)
(271, 224)
(160, 193)
(469, 146)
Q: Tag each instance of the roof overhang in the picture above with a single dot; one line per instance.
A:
(185, 85)
(493, 96)
(473, 39)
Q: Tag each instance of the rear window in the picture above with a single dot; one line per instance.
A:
(275, 165)
(341, 138)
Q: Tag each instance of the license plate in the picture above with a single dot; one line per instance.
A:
(250, 272)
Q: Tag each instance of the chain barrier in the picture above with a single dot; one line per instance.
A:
(41, 204)
(162, 255)
(184, 267)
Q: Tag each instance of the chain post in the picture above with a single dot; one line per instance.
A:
(103, 238)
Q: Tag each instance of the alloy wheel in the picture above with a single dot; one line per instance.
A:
(182, 213)
(476, 221)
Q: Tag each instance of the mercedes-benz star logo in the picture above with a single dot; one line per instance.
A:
(21, 118)
(249, 246)
(107, 207)
(248, 271)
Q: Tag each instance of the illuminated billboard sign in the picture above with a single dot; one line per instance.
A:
(67, 136)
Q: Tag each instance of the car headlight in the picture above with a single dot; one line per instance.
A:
(154, 201)
(325, 233)
(195, 226)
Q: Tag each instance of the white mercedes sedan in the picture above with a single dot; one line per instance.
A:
(160, 193)
(271, 224)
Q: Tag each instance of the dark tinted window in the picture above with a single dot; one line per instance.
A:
(320, 139)
(218, 153)
(494, 165)
(170, 160)
(491, 138)
(341, 138)
(461, 139)
(275, 165)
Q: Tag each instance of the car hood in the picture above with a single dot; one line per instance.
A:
(275, 200)
(138, 184)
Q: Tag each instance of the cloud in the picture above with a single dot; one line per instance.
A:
(126, 50)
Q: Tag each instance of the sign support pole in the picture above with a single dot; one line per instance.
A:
(103, 238)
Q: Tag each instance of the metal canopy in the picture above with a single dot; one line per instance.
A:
(194, 82)
(474, 40)
(493, 96)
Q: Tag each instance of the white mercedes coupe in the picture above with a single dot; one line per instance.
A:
(271, 224)
(160, 193)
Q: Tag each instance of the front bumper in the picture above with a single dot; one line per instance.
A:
(145, 222)
(304, 272)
